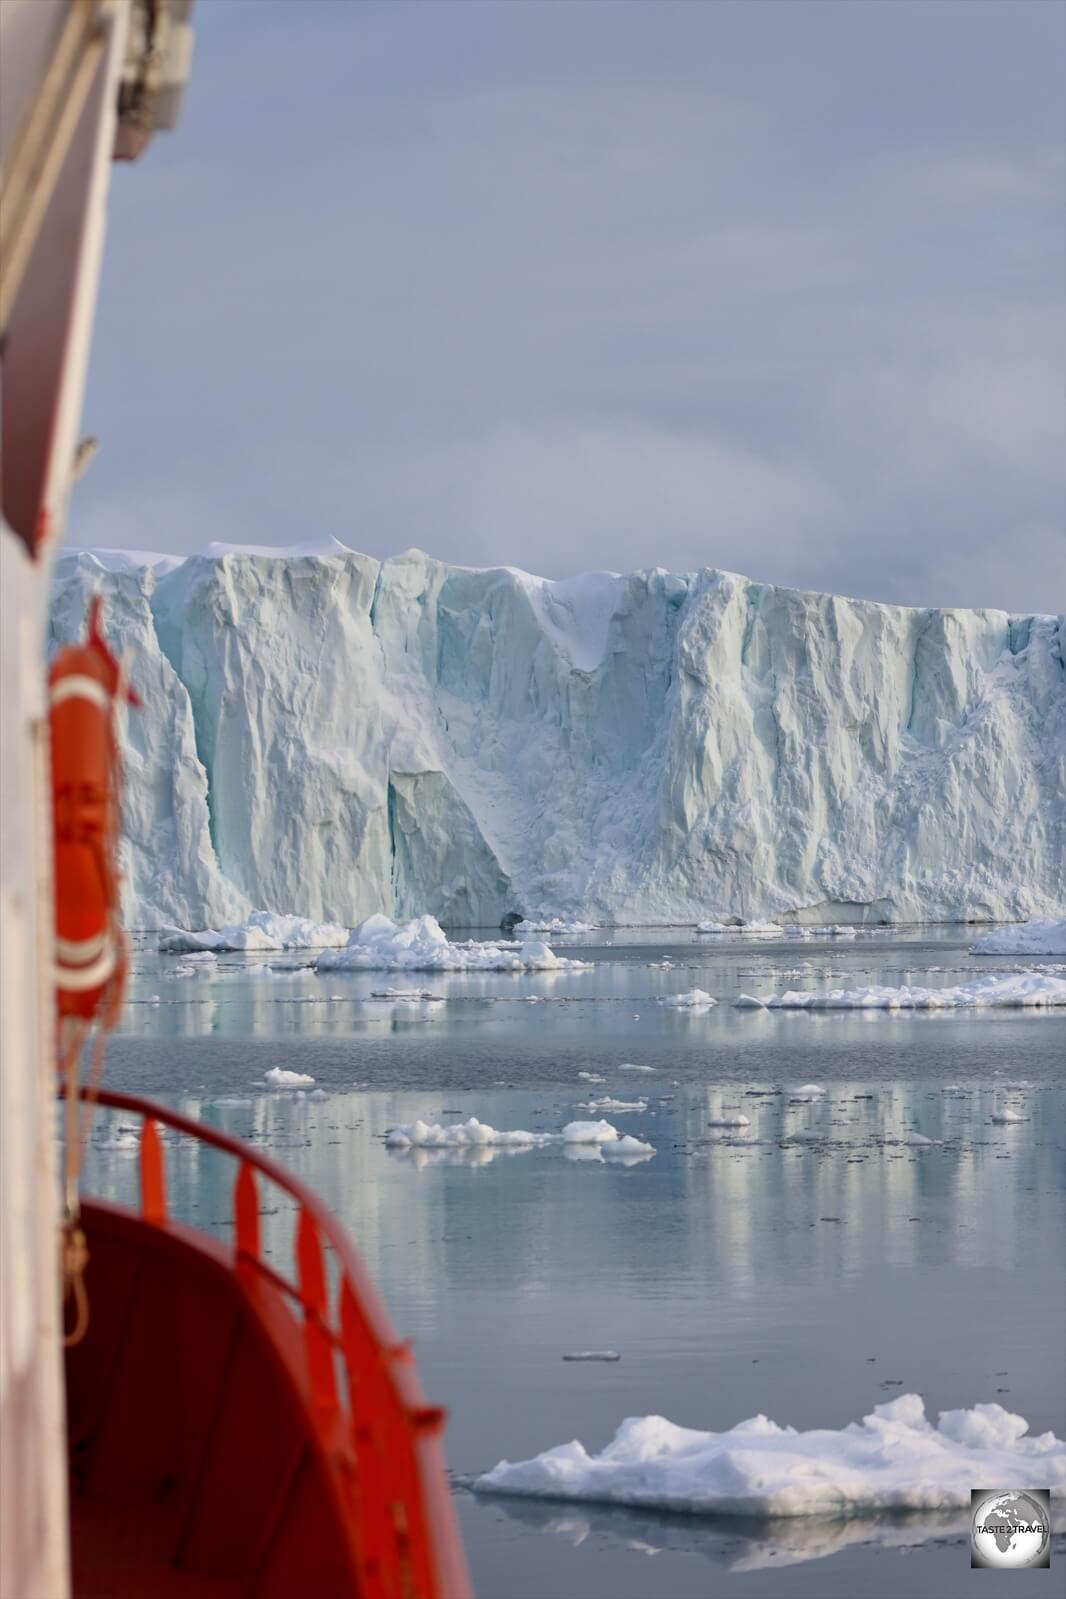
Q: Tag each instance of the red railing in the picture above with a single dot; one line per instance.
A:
(380, 1434)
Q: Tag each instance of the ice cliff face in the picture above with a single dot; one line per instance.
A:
(333, 736)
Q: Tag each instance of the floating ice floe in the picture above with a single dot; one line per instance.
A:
(627, 1066)
(808, 1091)
(380, 944)
(431, 1135)
(894, 1459)
(617, 1107)
(278, 1077)
(1024, 938)
(1006, 1117)
(591, 1077)
(599, 1135)
(1029, 990)
(625, 1146)
(749, 1002)
(593, 1354)
(919, 1141)
(553, 924)
(262, 930)
(729, 1121)
(695, 999)
(760, 928)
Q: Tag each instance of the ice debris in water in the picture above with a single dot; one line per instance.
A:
(761, 928)
(893, 1460)
(1024, 938)
(919, 1140)
(380, 944)
(1006, 1117)
(695, 999)
(553, 924)
(278, 1077)
(591, 1077)
(430, 1135)
(627, 1066)
(593, 1354)
(616, 1106)
(261, 930)
(729, 1121)
(1019, 989)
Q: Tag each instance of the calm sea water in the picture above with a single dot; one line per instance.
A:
(809, 1280)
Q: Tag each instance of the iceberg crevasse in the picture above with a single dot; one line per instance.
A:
(330, 736)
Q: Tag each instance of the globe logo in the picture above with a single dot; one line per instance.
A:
(1010, 1529)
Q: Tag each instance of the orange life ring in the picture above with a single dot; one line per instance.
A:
(84, 683)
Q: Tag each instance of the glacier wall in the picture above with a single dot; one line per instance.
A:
(331, 735)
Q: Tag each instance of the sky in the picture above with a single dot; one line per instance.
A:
(774, 286)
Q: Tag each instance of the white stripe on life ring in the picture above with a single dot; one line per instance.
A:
(78, 951)
(76, 980)
(82, 688)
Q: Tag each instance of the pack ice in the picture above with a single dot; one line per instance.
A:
(330, 737)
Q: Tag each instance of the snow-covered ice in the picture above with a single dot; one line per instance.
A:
(279, 1077)
(553, 924)
(597, 1132)
(599, 1136)
(695, 999)
(1029, 990)
(421, 945)
(431, 1135)
(1024, 938)
(760, 929)
(591, 1077)
(1006, 1117)
(894, 1459)
(331, 735)
(630, 1066)
(616, 1106)
(625, 1145)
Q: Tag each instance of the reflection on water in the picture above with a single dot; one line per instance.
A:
(736, 1544)
(808, 1265)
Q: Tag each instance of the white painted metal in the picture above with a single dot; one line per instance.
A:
(43, 372)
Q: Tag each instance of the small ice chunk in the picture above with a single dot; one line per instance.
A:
(431, 1135)
(627, 1145)
(591, 1077)
(617, 1106)
(278, 1077)
(599, 1132)
(593, 1354)
(919, 1140)
(695, 999)
(729, 1121)
(627, 1066)
(749, 1002)
(1006, 1117)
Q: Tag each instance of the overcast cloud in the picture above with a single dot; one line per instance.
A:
(771, 286)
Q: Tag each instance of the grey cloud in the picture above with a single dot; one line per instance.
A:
(773, 287)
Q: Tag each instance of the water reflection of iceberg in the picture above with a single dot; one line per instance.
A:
(738, 1544)
(419, 1157)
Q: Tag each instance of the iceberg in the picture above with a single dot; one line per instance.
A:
(330, 736)
(1025, 938)
(893, 1460)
